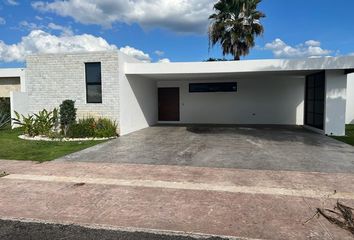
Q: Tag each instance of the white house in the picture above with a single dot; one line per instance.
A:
(317, 92)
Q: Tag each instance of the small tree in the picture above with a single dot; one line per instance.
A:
(67, 114)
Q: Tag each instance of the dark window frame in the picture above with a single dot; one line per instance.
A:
(87, 83)
(213, 87)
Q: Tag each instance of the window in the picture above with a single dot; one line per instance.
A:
(315, 100)
(213, 87)
(93, 83)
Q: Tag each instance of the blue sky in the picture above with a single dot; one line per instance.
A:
(168, 30)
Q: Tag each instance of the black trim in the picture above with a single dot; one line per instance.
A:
(97, 83)
(347, 71)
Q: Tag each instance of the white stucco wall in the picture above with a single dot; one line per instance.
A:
(19, 103)
(335, 109)
(267, 100)
(350, 99)
(138, 100)
(52, 78)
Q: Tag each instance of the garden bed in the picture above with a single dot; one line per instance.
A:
(47, 139)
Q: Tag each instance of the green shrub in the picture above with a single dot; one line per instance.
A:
(4, 120)
(5, 113)
(89, 128)
(42, 123)
(67, 114)
(5, 106)
(82, 129)
(27, 124)
(105, 128)
(45, 122)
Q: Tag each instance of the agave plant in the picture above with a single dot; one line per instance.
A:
(4, 120)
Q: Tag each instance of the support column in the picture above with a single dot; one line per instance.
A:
(335, 102)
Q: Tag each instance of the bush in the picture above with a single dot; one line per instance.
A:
(42, 123)
(4, 120)
(5, 113)
(89, 128)
(5, 106)
(45, 122)
(67, 114)
(84, 128)
(105, 128)
(27, 123)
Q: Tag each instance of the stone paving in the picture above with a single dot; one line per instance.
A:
(247, 204)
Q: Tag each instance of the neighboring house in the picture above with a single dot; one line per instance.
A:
(10, 81)
(310, 92)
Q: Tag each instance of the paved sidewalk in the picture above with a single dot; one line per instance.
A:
(248, 204)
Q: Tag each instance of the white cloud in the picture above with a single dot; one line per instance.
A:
(310, 48)
(164, 60)
(313, 43)
(39, 18)
(176, 15)
(65, 30)
(29, 26)
(159, 53)
(12, 2)
(138, 54)
(2, 21)
(38, 41)
(351, 54)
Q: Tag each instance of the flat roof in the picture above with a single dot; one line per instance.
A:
(11, 72)
(243, 66)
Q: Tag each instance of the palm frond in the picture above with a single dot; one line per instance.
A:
(235, 25)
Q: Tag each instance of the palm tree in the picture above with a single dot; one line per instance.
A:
(235, 25)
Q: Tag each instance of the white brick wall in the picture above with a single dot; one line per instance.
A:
(52, 78)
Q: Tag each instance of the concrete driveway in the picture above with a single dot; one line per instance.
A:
(286, 148)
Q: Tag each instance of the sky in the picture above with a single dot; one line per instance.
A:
(168, 30)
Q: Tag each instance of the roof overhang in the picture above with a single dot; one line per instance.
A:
(11, 72)
(239, 68)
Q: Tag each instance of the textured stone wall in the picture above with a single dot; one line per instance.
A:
(9, 84)
(52, 78)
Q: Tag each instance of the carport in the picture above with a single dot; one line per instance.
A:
(310, 92)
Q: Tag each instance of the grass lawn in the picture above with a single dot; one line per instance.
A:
(350, 135)
(13, 148)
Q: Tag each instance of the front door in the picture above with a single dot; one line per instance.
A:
(168, 100)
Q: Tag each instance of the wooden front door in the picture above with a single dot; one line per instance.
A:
(168, 100)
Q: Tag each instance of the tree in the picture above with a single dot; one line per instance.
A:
(67, 112)
(235, 25)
